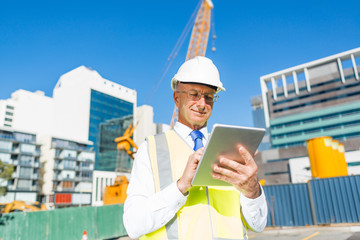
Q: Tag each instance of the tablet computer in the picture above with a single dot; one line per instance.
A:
(225, 140)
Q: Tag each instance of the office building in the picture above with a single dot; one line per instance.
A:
(314, 99)
(259, 121)
(318, 98)
(22, 151)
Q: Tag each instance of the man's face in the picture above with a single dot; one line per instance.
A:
(193, 113)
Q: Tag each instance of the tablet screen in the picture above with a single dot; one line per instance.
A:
(225, 140)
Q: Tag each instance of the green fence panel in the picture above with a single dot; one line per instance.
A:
(102, 222)
(109, 221)
(70, 223)
(23, 226)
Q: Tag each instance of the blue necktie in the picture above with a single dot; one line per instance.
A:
(196, 135)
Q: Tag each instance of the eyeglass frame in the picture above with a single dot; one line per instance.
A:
(199, 94)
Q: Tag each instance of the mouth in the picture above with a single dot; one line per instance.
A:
(198, 112)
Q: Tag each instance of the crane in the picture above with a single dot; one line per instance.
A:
(197, 47)
(199, 38)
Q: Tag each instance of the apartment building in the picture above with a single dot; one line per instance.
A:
(22, 151)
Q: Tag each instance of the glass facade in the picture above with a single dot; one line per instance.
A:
(104, 107)
(110, 158)
(340, 122)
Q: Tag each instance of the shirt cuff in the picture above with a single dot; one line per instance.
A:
(254, 211)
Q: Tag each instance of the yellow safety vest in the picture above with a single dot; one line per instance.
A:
(209, 212)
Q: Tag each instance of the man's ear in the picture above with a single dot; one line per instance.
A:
(176, 98)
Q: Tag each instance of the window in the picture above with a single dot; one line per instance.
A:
(69, 164)
(25, 172)
(27, 148)
(67, 184)
(4, 145)
(9, 113)
(311, 120)
(8, 119)
(9, 107)
(24, 184)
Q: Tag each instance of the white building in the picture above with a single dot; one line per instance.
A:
(144, 125)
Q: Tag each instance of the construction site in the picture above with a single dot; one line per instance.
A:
(308, 161)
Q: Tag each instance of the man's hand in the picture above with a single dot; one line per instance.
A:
(241, 174)
(184, 183)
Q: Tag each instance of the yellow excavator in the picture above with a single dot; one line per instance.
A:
(22, 206)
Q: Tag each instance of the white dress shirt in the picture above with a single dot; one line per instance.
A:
(146, 211)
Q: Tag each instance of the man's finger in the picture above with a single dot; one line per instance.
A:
(246, 156)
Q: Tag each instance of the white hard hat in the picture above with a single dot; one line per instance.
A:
(198, 70)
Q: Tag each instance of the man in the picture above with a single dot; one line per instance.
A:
(161, 202)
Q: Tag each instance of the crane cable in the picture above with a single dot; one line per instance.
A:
(173, 53)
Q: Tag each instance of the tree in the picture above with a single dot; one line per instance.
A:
(6, 170)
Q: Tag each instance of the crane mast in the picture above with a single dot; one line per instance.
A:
(199, 38)
(200, 32)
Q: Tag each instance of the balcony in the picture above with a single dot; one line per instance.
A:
(86, 160)
(89, 168)
(27, 188)
(69, 167)
(5, 150)
(26, 163)
(35, 176)
(11, 187)
(25, 176)
(83, 179)
(15, 175)
(7, 137)
(69, 179)
(57, 177)
(15, 150)
(59, 167)
(36, 164)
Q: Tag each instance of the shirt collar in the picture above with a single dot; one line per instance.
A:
(184, 131)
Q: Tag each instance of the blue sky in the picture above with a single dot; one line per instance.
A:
(128, 42)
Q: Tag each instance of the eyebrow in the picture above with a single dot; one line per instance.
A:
(200, 91)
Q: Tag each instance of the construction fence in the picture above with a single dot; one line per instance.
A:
(104, 222)
(320, 201)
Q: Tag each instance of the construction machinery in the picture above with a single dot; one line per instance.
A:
(125, 143)
(22, 206)
(116, 193)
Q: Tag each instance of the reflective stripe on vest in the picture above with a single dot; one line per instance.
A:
(209, 212)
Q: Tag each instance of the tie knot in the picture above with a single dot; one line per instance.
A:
(196, 134)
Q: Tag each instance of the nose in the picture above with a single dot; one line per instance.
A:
(201, 102)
